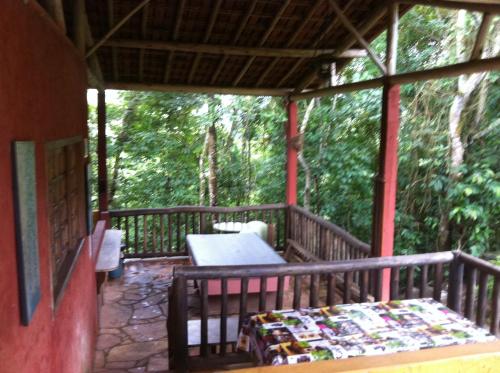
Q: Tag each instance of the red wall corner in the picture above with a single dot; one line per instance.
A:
(42, 98)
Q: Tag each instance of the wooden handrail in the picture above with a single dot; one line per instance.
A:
(479, 263)
(288, 269)
(195, 209)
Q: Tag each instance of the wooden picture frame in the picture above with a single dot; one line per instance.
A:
(25, 201)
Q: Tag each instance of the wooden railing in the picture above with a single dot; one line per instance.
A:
(440, 275)
(323, 239)
(475, 290)
(162, 231)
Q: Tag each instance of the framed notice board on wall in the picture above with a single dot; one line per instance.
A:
(28, 263)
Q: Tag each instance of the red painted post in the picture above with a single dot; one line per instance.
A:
(102, 171)
(291, 153)
(386, 182)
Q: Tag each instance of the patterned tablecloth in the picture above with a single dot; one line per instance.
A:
(343, 331)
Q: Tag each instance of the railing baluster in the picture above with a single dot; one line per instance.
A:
(204, 317)
(162, 233)
(409, 282)
(363, 289)
(297, 291)
(314, 291)
(178, 232)
(423, 280)
(243, 301)
(136, 234)
(279, 293)
(223, 317)
(438, 281)
(495, 309)
(153, 238)
(469, 295)
(169, 233)
(482, 299)
(145, 234)
(262, 293)
(347, 287)
(127, 235)
(331, 289)
(395, 283)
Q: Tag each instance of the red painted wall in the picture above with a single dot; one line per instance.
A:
(42, 98)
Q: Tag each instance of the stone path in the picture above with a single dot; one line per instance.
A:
(133, 330)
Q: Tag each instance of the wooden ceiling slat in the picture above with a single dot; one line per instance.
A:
(175, 32)
(208, 33)
(262, 41)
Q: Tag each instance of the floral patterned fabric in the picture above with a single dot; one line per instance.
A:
(343, 331)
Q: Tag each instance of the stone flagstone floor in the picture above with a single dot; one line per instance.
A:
(133, 331)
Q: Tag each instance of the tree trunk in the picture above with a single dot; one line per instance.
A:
(212, 165)
(202, 173)
(466, 85)
(302, 159)
(120, 143)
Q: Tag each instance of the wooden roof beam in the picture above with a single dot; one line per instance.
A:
(208, 32)
(116, 28)
(114, 53)
(56, 11)
(477, 51)
(359, 37)
(469, 67)
(234, 50)
(198, 89)
(144, 27)
(175, 32)
(376, 15)
(262, 41)
(237, 35)
(484, 6)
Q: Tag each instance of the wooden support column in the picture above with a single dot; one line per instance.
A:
(102, 171)
(384, 208)
(291, 153)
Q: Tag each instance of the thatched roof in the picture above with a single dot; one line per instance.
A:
(263, 44)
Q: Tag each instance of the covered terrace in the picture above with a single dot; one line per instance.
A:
(286, 48)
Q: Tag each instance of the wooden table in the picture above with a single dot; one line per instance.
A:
(233, 249)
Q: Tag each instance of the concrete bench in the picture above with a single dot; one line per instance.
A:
(108, 258)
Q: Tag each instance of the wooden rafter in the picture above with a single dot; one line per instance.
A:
(94, 67)
(491, 6)
(144, 27)
(234, 50)
(197, 89)
(359, 37)
(481, 36)
(270, 29)
(237, 35)
(290, 41)
(79, 25)
(114, 52)
(208, 32)
(469, 67)
(56, 11)
(320, 37)
(376, 15)
(175, 32)
(116, 28)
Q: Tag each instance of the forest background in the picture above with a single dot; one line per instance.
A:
(180, 149)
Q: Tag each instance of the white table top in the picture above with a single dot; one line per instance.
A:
(230, 249)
